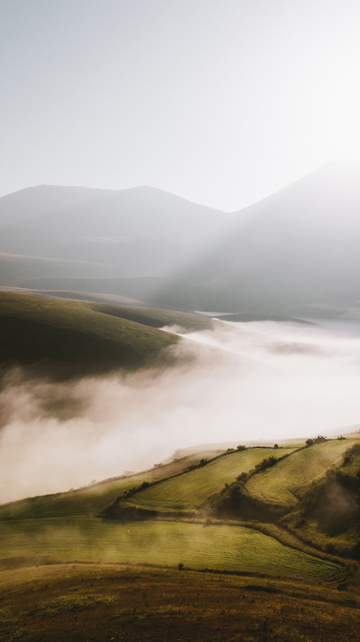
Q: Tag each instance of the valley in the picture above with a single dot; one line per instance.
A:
(106, 361)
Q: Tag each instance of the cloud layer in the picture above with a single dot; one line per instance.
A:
(241, 382)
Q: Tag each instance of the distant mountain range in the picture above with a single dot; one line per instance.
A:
(296, 251)
(135, 232)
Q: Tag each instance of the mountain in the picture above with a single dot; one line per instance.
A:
(292, 254)
(294, 251)
(135, 232)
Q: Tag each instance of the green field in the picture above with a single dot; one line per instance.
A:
(190, 490)
(76, 333)
(92, 499)
(166, 543)
(280, 484)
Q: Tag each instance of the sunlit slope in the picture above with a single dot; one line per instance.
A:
(74, 333)
(165, 543)
(281, 483)
(94, 498)
(191, 489)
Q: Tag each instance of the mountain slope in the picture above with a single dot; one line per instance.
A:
(138, 231)
(296, 248)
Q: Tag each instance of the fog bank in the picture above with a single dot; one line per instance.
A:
(240, 382)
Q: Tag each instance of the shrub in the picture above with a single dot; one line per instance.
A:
(266, 463)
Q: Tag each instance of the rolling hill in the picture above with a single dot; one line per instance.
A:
(15, 268)
(138, 232)
(283, 483)
(189, 491)
(78, 338)
(80, 561)
(68, 526)
(92, 499)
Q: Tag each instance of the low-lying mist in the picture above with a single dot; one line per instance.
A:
(239, 382)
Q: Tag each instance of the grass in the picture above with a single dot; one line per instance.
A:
(76, 333)
(281, 483)
(77, 603)
(190, 490)
(231, 548)
(91, 499)
(158, 318)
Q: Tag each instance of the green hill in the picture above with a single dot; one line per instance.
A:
(94, 498)
(159, 318)
(68, 527)
(329, 510)
(75, 335)
(188, 491)
(282, 483)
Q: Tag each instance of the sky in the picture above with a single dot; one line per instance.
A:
(219, 101)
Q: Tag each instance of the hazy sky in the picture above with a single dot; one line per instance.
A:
(220, 101)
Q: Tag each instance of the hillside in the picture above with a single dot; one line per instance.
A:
(15, 268)
(282, 484)
(67, 526)
(189, 491)
(270, 259)
(138, 232)
(172, 517)
(92, 499)
(294, 252)
(75, 337)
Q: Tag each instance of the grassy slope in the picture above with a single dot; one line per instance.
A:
(158, 318)
(91, 499)
(191, 489)
(328, 514)
(278, 484)
(78, 603)
(166, 543)
(77, 333)
(17, 267)
(111, 299)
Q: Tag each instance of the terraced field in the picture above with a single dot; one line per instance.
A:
(167, 543)
(92, 499)
(280, 483)
(191, 489)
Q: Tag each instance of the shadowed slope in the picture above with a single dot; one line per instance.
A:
(76, 335)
